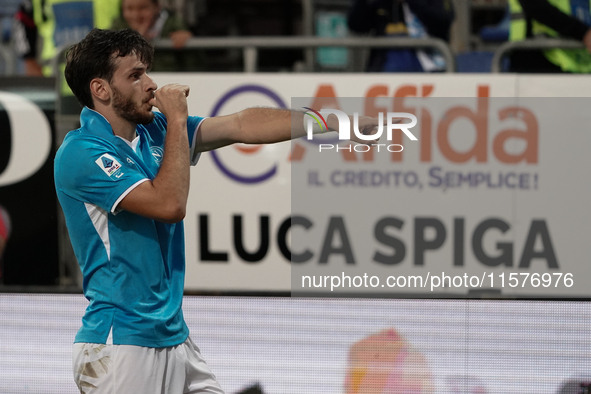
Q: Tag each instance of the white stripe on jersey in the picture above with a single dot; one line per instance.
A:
(100, 221)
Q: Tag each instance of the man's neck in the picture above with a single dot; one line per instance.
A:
(121, 127)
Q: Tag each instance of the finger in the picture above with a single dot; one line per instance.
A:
(152, 102)
(187, 90)
(370, 130)
(376, 121)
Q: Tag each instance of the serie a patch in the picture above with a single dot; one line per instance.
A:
(108, 164)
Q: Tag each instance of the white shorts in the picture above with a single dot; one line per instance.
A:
(117, 369)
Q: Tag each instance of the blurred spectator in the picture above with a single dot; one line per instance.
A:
(551, 18)
(25, 38)
(7, 10)
(57, 23)
(412, 18)
(152, 21)
(5, 228)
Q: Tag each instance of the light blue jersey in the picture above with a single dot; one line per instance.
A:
(133, 267)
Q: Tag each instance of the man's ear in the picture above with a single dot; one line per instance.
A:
(100, 89)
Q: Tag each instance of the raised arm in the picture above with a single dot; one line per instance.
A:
(165, 197)
(262, 126)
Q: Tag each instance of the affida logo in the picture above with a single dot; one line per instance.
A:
(317, 122)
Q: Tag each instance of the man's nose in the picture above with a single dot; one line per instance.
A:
(150, 84)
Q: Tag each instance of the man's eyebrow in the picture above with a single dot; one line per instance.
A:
(137, 68)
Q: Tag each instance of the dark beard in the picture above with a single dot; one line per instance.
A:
(127, 110)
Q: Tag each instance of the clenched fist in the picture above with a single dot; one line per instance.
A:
(171, 100)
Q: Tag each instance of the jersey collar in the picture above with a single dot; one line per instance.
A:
(95, 123)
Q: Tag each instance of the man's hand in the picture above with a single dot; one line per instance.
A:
(367, 126)
(171, 100)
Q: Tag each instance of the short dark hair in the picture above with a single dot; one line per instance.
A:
(94, 57)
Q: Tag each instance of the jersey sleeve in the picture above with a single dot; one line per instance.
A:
(95, 173)
(193, 124)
